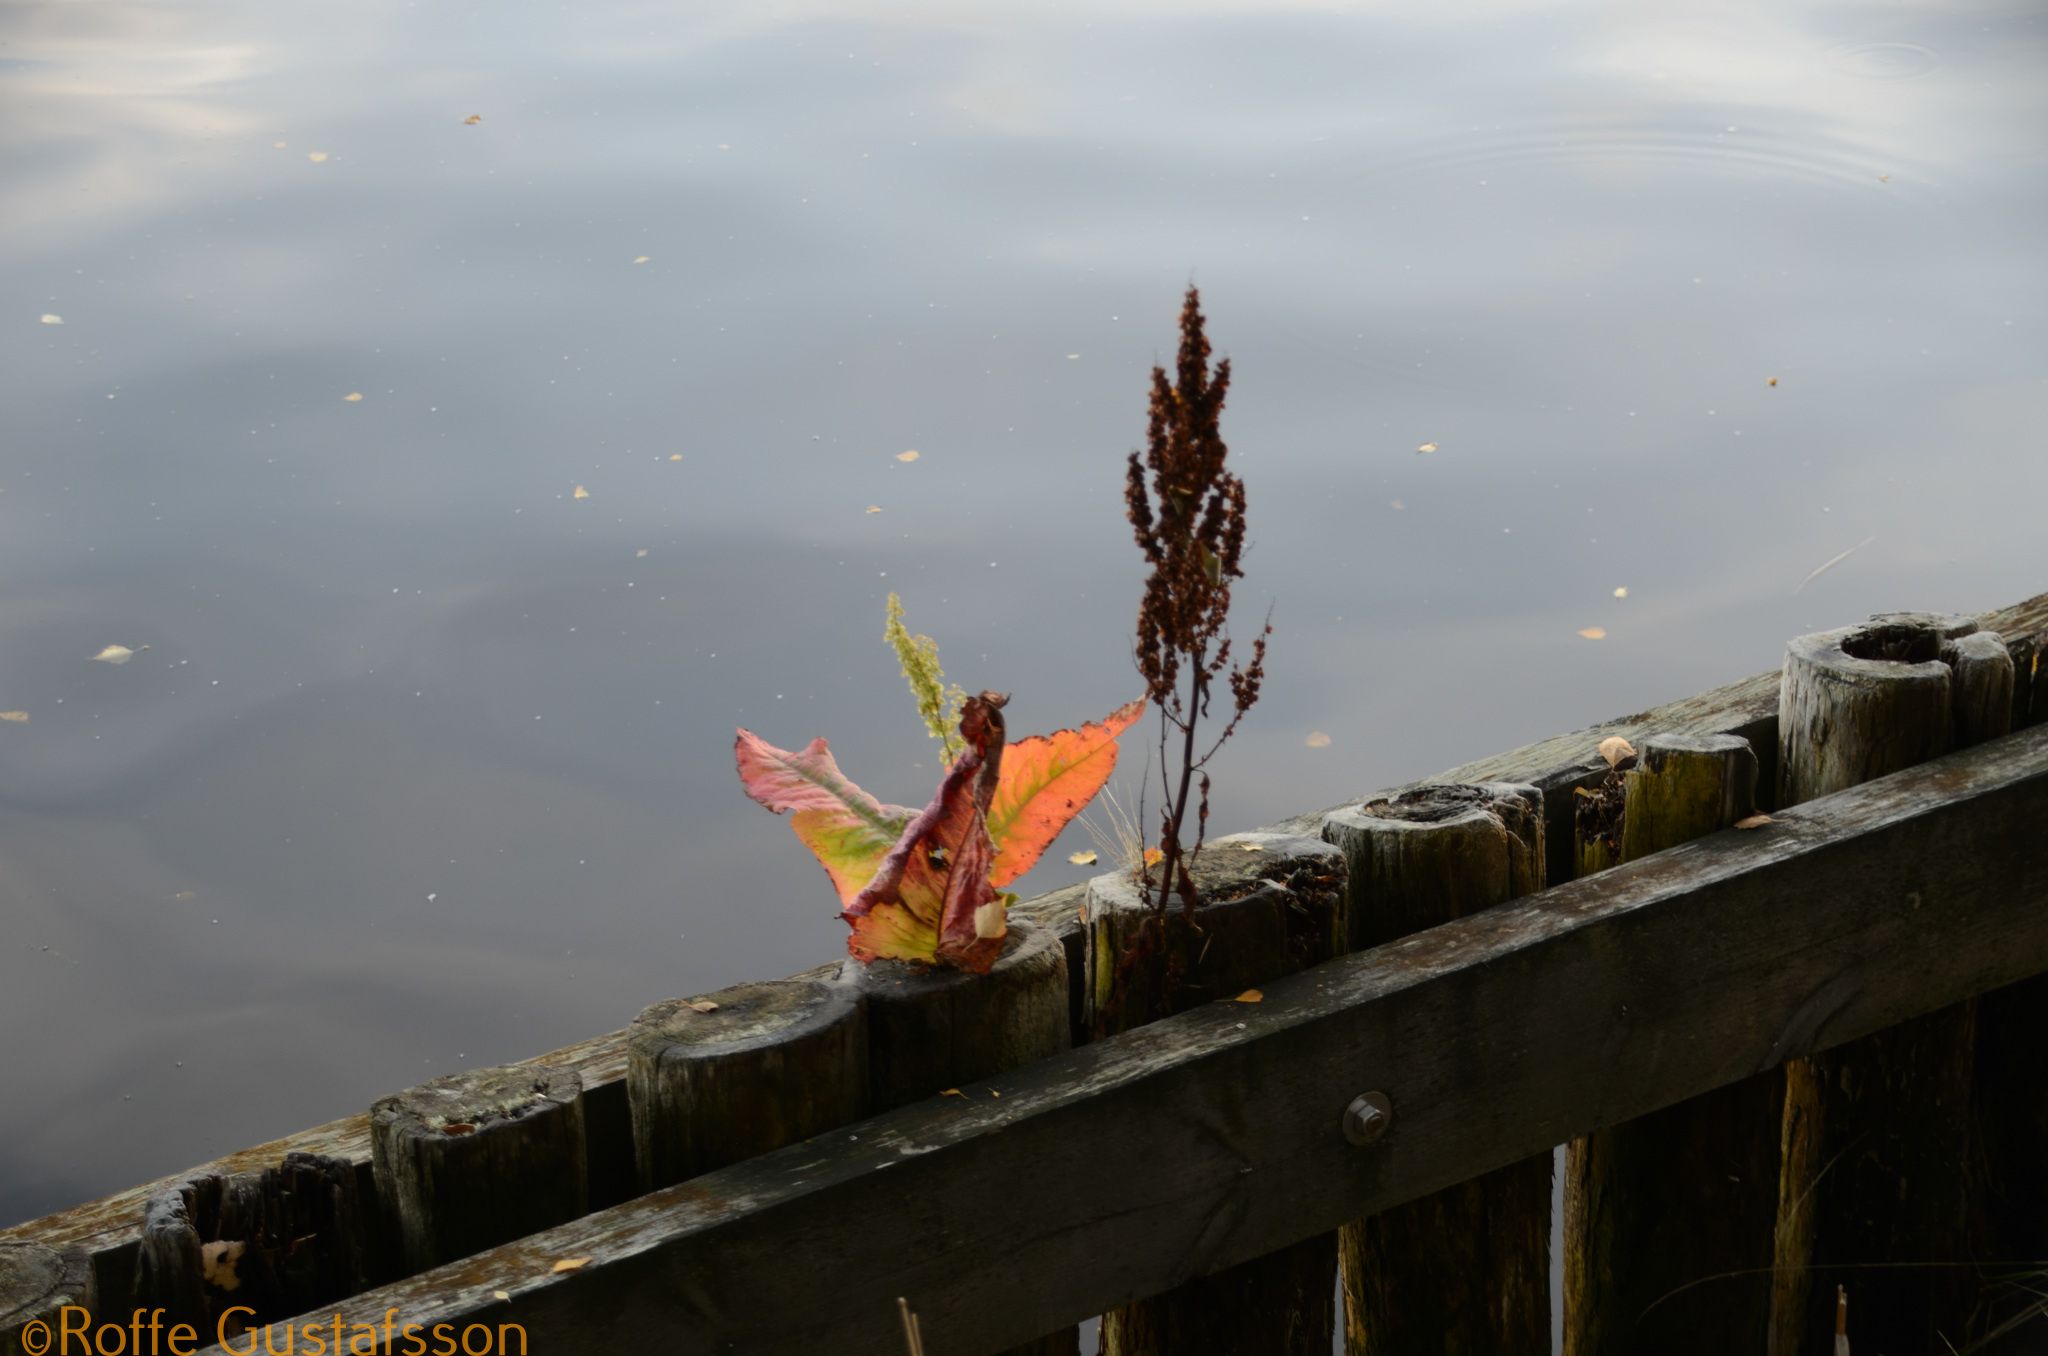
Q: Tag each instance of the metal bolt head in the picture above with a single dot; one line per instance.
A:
(1367, 1118)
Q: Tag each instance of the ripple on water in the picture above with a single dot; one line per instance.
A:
(1884, 60)
(1734, 151)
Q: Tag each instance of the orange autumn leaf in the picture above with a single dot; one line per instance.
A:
(1046, 780)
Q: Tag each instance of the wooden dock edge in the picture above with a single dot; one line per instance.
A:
(108, 1229)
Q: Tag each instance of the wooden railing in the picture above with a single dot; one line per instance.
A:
(1015, 1203)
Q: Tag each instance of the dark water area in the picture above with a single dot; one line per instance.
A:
(427, 761)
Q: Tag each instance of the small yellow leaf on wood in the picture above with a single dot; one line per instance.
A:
(217, 1264)
(581, 493)
(501, 1295)
(911, 455)
(1614, 748)
(1249, 847)
(316, 156)
(1621, 592)
(1317, 740)
(703, 1005)
(1249, 996)
(1081, 858)
(953, 1092)
(354, 397)
(874, 508)
(17, 717)
(642, 259)
(1594, 633)
(1754, 822)
(993, 1093)
(472, 120)
(571, 1264)
(53, 319)
(1426, 447)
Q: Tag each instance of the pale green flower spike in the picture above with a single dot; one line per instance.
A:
(940, 706)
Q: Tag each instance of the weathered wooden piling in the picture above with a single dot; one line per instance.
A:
(37, 1284)
(1271, 904)
(1875, 1137)
(931, 1030)
(727, 1075)
(281, 1241)
(474, 1159)
(1667, 1217)
(1466, 1269)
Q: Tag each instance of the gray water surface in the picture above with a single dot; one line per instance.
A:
(427, 762)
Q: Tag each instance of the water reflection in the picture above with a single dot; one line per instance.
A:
(426, 764)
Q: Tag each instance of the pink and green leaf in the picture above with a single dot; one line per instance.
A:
(846, 829)
(1047, 780)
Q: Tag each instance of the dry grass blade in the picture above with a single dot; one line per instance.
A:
(913, 1337)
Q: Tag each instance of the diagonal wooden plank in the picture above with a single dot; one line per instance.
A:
(1198, 1142)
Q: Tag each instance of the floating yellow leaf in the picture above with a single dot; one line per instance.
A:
(581, 493)
(1072, 356)
(354, 397)
(1772, 382)
(874, 508)
(1754, 822)
(316, 156)
(277, 145)
(17, 717)
(571, 1264)
(1614, 748)
(643, 258)
(911, 455)
(505, 1295)
(1621, 592)
(1081, 858)
(1249, 996)
(1884, 178)
(1317, 740)
(675, 456)
(53, 319)
(118, 654)
(1594, 633)
(703, 1005)
(472, 120)
(639, 553)
(1396, 505)
(184, 896)
(1427, 447)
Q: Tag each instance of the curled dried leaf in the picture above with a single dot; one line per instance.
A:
(703, 1005)
(1754, 822)
(571, 1264)
(501, 1295)
(1615, 749)
(1249, 996)
(15, 717)
(459, 1128)
(909, 456)
(1081, 858)
(1594, 633)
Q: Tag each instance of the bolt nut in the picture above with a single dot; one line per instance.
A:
(1367, 1118)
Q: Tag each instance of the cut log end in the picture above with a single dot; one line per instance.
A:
(724, 1076)
(36, 1284)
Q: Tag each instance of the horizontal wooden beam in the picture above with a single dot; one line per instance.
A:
(1198, 1142)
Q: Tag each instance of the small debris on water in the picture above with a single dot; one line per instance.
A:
(1317, 740)
(1594, 632)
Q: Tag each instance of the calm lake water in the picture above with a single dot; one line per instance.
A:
(427, 760)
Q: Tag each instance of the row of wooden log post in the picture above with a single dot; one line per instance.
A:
(1721, 1224)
